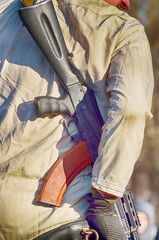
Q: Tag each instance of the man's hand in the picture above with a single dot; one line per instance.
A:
(103, 217)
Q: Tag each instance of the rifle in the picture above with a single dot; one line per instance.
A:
(79, 103)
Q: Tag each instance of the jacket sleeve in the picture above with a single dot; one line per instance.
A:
(129, 90)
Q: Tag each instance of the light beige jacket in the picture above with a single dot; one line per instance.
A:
(110, 51)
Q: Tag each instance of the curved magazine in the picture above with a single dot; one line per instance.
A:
(62, 173)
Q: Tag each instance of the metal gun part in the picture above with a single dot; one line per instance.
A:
(128, 216)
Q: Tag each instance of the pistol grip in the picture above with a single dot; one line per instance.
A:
(46, 106)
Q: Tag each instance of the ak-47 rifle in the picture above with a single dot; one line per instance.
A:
(79, 103)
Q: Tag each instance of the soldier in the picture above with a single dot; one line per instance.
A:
(110, 51)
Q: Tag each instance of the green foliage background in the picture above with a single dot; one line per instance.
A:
(145, 180)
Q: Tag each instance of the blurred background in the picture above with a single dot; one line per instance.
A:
(145, 180)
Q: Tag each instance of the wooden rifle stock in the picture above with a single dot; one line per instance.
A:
(62, 172)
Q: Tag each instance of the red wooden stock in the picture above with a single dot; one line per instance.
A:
(62, 172)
